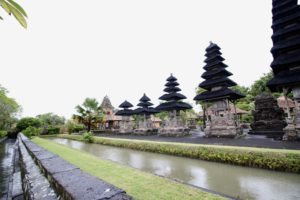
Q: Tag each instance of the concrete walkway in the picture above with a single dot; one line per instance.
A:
(197, 138)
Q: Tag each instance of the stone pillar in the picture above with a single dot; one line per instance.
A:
(296, 94)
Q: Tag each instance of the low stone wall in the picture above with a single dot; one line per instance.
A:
(67, 180)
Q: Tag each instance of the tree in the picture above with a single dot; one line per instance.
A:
(260, 85)
(28, 122)
(9, 109)
(89, 113)
(50, 119)
(11, 7)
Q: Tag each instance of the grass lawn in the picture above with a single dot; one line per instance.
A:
(138, 184)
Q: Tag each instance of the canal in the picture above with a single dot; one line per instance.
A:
(236, 181)
(6, 163)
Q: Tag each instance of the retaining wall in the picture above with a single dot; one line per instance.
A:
(60, 179)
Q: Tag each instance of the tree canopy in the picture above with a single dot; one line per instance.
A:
(51, 119)
(9, 110)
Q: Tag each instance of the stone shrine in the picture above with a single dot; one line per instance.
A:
(221, 123)
(268, 117)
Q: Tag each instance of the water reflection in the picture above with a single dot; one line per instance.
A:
(243, 182)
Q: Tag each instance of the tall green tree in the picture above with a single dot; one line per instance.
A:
(13, 8)
(89, 113)
(50, 119)
(9, 109)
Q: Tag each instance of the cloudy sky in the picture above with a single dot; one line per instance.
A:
(122, 48)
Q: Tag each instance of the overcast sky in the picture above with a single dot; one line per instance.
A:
(76, 49)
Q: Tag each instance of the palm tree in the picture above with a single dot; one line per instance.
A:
(11, 7)
(89, 113)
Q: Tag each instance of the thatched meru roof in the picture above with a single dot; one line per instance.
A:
(106, 104)
(144, 106)
(286, 44)
(126, 111)
(172, 97)
(216, 81)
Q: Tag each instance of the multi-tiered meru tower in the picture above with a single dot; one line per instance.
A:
(216, 83)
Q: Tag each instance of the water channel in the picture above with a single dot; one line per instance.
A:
(242, 182)
(6, 155)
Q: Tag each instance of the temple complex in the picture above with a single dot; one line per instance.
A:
(286, 62)
(146, 126)
(125, 125)
(216, 83)
(173, 105)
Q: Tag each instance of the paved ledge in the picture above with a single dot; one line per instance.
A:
(68, 180)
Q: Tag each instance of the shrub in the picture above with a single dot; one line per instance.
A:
(31, 131)
(53, 130)
(3, 134)
(27, 122)
(88, 137)
(74, 127)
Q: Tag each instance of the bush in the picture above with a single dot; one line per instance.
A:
(26, 122)
(3, 134)
(74, 127)
(53, 130)
(88, 137)
(288, 161)
(31, 131)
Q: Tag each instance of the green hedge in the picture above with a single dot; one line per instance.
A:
(280, 160)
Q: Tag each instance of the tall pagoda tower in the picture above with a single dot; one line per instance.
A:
(216, 83)
(173, 105)
(126, 112)
(286, 54)
(145, 127)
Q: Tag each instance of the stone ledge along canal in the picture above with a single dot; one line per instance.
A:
(235, 181)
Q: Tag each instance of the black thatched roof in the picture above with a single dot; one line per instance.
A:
(145, 106)
(286, 44)
(172, 89)
(173, 105)
(125, 105)
(171, 78)
(216, 72)
(216, 77)
(172, 96)
(172, 84)
(126, 112)
(219, 94)
(145, 98)
(287, 78)
(209, 83)
(145, 111)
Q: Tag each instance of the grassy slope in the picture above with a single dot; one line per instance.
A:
(138, 184)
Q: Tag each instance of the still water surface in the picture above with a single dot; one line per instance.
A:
(243, 182)
(6, 158)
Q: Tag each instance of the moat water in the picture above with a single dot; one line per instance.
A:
(242, 182)
(6, 163)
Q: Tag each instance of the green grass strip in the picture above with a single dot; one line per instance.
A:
(273, 159)
(138, 184)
